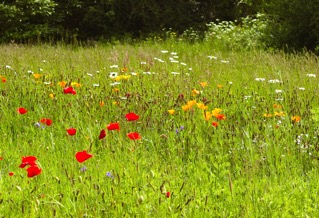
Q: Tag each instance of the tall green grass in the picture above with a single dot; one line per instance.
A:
(249, 165)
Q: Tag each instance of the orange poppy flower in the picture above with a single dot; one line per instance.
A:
(296, 119)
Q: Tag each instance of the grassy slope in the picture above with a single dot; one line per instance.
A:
(248, 166)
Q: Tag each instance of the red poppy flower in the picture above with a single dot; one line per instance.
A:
(46, 121)
(82, 156)
(168, 194)
(102, 134)
(33, 171)
(69, 90)
(71, 131)
(11, 173)
(22, 110)
(134, 136)
(113, 126)
(3, 79)
(29, 160)
(132, 117)
(215, 124)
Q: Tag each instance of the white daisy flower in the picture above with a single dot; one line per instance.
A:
(311, 75)
(113, 75)
(260, 79)
(274, 81)
(212, 57)
(115, 83)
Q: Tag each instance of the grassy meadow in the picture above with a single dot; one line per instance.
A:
(219, 133)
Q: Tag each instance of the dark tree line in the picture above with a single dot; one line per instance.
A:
(293, 22)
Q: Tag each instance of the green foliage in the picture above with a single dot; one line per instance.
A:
(247, 34)
(106, 19)
(25, 20)
(283, 24)
(294, 24)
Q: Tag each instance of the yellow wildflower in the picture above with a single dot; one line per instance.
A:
(62, 84)
(277, 106)
(279, 114)
(202, 106)
(186, 107)
(126, 77)
(195, 92)
(101, 103)
(296, 119)
(191, 103)
(51, 95)
(219, 86)
(124, 69)
(171, 112)
(208, 115)
(118, 78)
(75, 84)
(203, 84)
(36, 75)
(216, 112)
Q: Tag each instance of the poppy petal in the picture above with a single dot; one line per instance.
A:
(46, 121)
(113, 126)
(71, 131)
(29, 160)
(102, 134)
(82, 156)
(132, 117)
(69, 90)
(33, 171)
(22, 110)
(134, 136)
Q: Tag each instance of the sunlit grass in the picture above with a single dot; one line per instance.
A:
(225, 133)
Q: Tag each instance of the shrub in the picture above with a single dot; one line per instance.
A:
(246, 34)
